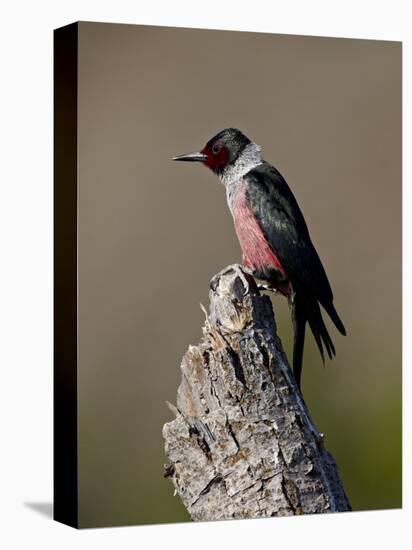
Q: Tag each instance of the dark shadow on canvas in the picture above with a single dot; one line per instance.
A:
(43, 508)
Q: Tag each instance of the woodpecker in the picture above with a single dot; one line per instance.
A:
(273, 236)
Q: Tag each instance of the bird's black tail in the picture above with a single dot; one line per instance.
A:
(319, 330)
(333, 314)
(304, 310)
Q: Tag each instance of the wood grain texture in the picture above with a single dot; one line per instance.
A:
(242, 444)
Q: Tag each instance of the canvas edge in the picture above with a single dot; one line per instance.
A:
(65, 446)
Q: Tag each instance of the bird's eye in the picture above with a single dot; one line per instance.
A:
(216, 148)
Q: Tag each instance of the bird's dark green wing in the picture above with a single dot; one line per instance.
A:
(280, 218)
(278, 214)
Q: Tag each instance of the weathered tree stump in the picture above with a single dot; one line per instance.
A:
(242, 444)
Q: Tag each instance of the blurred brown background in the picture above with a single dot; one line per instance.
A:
(152, 233)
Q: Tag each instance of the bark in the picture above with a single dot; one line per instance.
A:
(242, 444)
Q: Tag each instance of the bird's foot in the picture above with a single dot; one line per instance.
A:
(268, 288)
(248, 270)
(248, 278)
(244, 274)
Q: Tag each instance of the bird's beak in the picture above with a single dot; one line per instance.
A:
(191, 157)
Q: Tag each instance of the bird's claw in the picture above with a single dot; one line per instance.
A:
(268, 288)
(245, 282)
(248, 270)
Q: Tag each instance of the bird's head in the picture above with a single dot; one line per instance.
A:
(220, 152)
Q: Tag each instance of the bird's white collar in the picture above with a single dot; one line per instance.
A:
(248, 159)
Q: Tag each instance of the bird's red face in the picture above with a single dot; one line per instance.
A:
(220, 151)
(216, 156)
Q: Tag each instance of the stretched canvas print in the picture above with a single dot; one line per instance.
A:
(227, 275)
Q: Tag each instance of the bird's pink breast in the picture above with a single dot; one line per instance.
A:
(256, 252)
